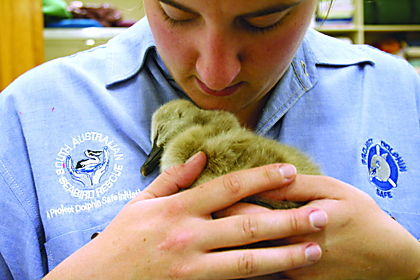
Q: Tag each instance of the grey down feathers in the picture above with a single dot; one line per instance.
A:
(180, 129)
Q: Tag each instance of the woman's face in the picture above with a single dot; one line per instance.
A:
(228, 54)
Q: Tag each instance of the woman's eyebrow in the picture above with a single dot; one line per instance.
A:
(271, 10)
(178, 6)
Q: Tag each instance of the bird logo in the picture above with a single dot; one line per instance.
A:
(383, 171)
(89, 171)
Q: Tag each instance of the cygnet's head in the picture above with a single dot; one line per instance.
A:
(175, 117)
(171, 119)
(178, 115)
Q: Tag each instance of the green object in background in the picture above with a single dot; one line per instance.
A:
(55, 8)
(392, 12)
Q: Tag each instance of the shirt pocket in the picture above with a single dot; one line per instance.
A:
(410, 221)
(61, 247)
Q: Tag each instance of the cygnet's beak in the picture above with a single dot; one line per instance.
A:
(152, 161)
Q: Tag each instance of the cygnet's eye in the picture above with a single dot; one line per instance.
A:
(160, 128)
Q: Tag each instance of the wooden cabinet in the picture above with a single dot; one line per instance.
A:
(21, 43)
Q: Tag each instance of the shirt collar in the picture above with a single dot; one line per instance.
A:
(327, 50)
(300, 77)
(316, 50)
(127, 52)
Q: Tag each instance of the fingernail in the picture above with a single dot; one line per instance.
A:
(318, 219)
(193, 157)
(288, 171)
(313, 253)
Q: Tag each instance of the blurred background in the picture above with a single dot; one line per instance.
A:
(35, 31)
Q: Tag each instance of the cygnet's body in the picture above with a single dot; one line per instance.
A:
(180, 130)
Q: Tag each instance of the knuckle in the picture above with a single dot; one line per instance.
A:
(171, 171)
(270, 173)
(173, 176)
(232, 183)
(293, 222)
(247, 264)
(290, 259)
(249, 226)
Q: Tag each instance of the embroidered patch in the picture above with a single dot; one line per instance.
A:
(89, 166)
(384, 166)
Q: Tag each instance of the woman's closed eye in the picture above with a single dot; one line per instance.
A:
(176, 16)
(262, 24)
(265, 23)
(266, 20)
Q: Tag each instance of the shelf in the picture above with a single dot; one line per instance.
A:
(337, 29)
(81, 33)
(362, 34)
(66, 41)
(391, 28)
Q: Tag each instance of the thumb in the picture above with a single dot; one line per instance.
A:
(174, 178)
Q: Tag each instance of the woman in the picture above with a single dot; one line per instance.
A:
(354, 109)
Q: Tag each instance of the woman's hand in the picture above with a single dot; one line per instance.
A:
(163, 234)
(360, 242)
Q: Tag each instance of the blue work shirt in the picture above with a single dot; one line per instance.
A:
(75, 132)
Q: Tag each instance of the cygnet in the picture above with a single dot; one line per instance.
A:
(180, 129)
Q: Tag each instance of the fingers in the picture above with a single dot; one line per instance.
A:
(310, 187)
(275, 224)
(224, 191)
(256, 262)
(240, 208)
(174, 178)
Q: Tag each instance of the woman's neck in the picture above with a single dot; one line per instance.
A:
(249, 116)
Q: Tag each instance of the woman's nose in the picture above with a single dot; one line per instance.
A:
(218, 62)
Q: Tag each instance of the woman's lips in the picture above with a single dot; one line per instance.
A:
(224, 92)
